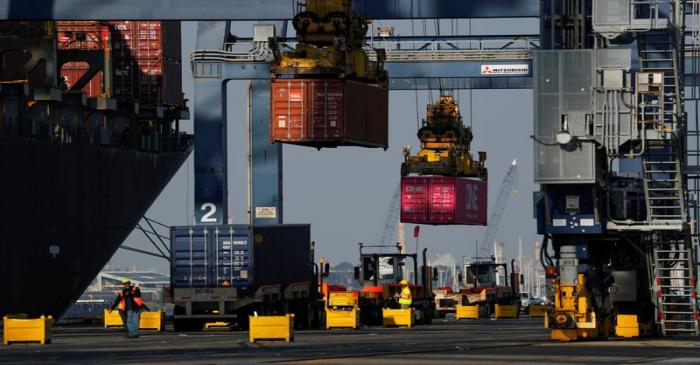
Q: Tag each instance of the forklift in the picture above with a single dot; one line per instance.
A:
(380, 275)
(479, 285)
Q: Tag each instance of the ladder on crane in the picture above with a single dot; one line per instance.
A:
(504, 193)
(659, 112)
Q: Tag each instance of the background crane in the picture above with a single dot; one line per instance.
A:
(508, 188)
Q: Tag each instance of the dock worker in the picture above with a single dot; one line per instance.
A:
(405, 299)
(130, 306)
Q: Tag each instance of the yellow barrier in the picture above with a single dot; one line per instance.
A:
(627, 326)
(506, 311)
(150, 320)
(467, 311)
(342, 299)
(342, 311)
(209, 325)
(271, 328)
(27, 330)
(537, 310)
(338, 318)
(112, 319)
(398, 317)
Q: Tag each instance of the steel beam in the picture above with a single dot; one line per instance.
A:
(266, 159)
(255, 9)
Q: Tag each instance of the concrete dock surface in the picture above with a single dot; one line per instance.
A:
(446, 341)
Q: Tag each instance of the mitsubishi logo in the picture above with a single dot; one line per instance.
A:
(472, 198)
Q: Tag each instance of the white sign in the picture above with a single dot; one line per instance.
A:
(505, 69)
(266, 212)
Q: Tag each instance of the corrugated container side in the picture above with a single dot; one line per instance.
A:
(471, 201)
(73, 74)
(366, 114)
(209, 256)
(282, 254)
(414, 199)
(86, 35)
(439, 200)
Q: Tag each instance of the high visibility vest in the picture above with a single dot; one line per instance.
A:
(122, 301)
(406, 296)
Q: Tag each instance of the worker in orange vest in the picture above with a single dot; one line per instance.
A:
(406, 298)
(130, 306)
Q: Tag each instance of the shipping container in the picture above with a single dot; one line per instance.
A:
(329, 113)
(441, 200)
(73, 72)
(240, 256)
(145, 55)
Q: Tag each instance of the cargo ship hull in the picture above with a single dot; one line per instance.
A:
(66, 210)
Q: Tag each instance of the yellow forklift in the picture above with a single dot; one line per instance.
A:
(381, 273)
(481, 290)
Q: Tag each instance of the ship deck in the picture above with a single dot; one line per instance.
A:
(446, 342)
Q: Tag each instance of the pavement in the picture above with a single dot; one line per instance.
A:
(522, 341)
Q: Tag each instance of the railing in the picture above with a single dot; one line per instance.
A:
(144, 136)
(455, 50)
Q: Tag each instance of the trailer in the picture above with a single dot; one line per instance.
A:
(225, 273)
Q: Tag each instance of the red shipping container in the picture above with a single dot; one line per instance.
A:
(85, 35)
(439, 200)
(329, 113)
(72, 72)
(145, 57)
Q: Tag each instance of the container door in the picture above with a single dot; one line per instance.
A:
(232, 258)
(288, 110)
(189, 250)
(414, 200)
(442, 200)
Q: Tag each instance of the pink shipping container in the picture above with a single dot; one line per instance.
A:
(329, 113)
(440, 200)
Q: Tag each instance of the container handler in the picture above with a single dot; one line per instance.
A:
(381, 274)
(479, 286)
(445, 145)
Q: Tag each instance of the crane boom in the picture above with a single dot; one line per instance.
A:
(504, 193)
(391, 219)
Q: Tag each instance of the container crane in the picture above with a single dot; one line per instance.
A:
(508, 188)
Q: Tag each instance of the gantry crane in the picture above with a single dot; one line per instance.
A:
(507, 189)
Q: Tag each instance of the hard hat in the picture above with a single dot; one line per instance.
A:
(126, 281)
(404, 282)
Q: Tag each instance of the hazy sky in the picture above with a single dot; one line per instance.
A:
(344, 193)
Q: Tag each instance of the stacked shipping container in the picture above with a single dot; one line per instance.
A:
(145, 58)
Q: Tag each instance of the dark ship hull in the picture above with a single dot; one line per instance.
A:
(66, 208)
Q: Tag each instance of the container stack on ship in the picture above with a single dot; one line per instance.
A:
(326, 92)
(82, 161)
(443, 184)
